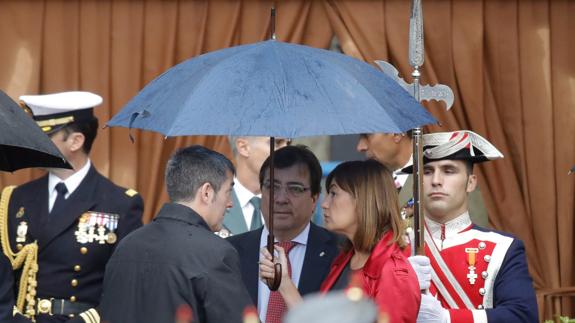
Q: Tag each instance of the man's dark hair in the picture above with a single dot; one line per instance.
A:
(88, 128)
(190, 168)
(296, 155)
(469, 167)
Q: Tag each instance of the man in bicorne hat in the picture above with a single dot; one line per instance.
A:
(76, 216)
(474, 274)
(395, 151)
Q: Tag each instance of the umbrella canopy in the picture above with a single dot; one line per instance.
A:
(273, 89)
(22, 142)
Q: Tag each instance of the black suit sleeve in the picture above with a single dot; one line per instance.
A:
(224, 295)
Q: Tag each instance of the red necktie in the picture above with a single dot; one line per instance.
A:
(276, 305)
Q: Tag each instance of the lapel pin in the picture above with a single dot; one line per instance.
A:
(321, 254)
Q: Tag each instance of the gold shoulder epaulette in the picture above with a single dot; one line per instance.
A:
(130, 192)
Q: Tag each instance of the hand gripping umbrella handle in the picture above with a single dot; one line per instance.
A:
(274, 283)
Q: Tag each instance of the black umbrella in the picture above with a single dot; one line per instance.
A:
(22, 142)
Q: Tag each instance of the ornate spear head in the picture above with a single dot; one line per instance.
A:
(416, 48)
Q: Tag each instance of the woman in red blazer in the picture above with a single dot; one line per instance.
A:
(362, 205)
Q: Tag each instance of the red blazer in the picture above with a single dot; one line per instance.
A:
(387, 278)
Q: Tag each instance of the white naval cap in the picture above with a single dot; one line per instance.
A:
(54, 111)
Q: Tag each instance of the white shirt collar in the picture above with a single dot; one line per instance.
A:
(452, 227)
(401, 177)
(301, 238)
(71, 182)
(243, 194)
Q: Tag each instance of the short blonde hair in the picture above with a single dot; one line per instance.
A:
(377, 204)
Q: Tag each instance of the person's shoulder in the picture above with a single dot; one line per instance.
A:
(325, 234)
(243, 237)
(494, 235)
(111, 188)
(32, 186)
(246, 242)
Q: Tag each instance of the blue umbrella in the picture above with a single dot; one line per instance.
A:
(273, 89)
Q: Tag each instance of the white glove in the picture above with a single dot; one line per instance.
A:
(431, 311)
(422, 268)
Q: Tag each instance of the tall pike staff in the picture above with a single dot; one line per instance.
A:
(416, 58)
(420, 92)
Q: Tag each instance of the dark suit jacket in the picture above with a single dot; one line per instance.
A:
(322, 248)
(60, 259)
(234, 220)
(173, 261)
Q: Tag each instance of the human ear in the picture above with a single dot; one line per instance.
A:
(471, 183)
(76, 141)
(206, 192)
(242, 146)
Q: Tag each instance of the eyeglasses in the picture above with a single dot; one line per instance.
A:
(292, 189)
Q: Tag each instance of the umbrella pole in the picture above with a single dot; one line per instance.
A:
(274, 283)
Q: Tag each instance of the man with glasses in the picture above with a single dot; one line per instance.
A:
(311, 249)
(249, 155)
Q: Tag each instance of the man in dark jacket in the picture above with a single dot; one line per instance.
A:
(177, 261)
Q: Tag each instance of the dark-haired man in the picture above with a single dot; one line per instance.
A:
(249, 155)
(311, 249)
(477, 274)
(176, 261)
(395, 151)
(76, 216)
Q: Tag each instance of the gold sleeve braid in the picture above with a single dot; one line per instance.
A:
(90, 316)
(25, 259)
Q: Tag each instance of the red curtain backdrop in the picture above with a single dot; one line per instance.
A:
(509, 63)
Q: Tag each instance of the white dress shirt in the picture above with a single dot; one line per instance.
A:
(71, 183)
(296, 257)
(244, 196)
(400, 177)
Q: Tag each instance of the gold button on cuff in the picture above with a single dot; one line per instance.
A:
(84, 250)
(72, 298)
(74, 282)
(77, 268)
(19, 246)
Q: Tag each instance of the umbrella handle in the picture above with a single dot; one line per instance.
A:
(274, 283)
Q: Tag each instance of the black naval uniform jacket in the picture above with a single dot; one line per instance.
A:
(7, 297)
(69, 269)
(171, 262)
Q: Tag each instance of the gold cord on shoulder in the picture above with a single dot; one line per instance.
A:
(26, 258)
